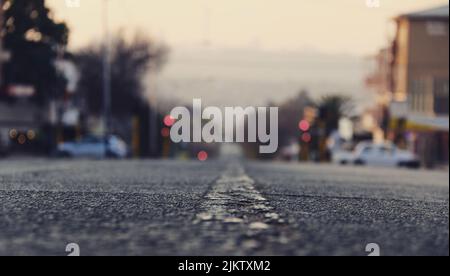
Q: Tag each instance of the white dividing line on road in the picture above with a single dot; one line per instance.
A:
(233, 199)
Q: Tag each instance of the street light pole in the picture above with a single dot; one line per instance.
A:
(106, 75)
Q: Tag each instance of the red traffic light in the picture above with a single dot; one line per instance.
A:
(304, 125)
(306, 137)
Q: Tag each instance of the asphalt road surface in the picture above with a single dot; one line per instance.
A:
(227, 207)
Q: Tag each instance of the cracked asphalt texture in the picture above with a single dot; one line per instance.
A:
(152, 208)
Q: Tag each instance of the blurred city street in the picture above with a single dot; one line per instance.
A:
(223, 207)
(224, 128)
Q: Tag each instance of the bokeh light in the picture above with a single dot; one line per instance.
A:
(304, 125)
(306, 137)
(22, 139)
(165, 132)
(169, 121)
(202, 156)
(31, 135)
(13, 133)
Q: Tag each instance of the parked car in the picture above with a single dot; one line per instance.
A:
(343, 157)
(94, 147)
(386, 155)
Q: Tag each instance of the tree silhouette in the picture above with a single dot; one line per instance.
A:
(34, 40)
(332, 108)
(130, 61)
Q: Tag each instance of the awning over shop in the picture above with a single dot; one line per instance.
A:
(435, 123)
(422, 123)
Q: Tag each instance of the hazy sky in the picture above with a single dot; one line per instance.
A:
(333, 26)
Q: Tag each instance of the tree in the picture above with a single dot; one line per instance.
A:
(34, 40)
(130, 61)
(332, 108)
(291, 112)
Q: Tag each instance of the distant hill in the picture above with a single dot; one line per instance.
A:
(230, 77)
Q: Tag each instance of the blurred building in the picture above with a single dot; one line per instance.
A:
(412, 81)
(381, 81)
(32, 128)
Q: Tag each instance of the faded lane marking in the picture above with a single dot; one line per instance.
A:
(234, 199)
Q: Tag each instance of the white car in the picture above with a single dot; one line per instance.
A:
(385, 155)
(94, 147)
(343, 157)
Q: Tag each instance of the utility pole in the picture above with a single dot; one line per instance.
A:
(106, 75)
(154, 120)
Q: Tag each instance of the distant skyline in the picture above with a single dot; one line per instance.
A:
(330, 26)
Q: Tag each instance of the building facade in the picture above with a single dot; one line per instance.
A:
(420, 107)
(412, 81)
